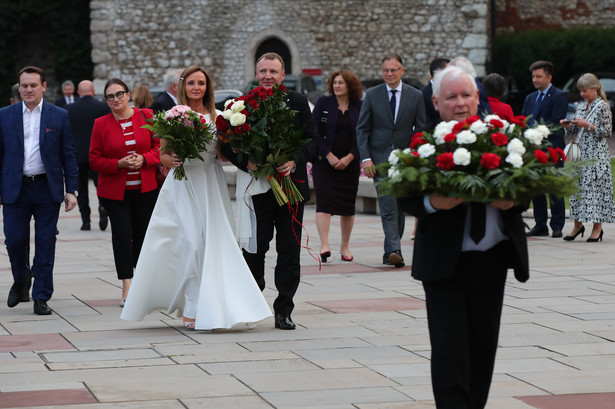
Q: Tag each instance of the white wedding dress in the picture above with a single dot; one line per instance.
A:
(190, 261)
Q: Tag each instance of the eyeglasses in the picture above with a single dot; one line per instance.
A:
(390, 70)
(118, 95)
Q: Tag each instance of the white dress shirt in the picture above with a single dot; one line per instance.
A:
(32, 161)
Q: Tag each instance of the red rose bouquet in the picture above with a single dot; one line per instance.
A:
(479, 160)
(185, 131)
(261, 126)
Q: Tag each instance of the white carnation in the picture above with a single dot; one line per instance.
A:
(407, 151)
(426, 150)
(443, 129)
(238, 106)
(511, 127)
(534, 136)
(466, 137)
(462, 157)
(516, 146)
(515, 159)
(394, 173)
(479, 127)
(544, 131)
(504, 122)
(237, 119)
(393, 158)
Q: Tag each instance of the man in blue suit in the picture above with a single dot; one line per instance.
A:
(37, 160)
(390, 114)
(548, 104)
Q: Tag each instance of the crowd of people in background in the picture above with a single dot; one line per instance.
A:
(349, 132)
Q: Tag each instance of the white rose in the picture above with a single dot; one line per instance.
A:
(515, 159)
(238, 106)
(237, 119)
(466, 137)
(462, 157)
(478, 127)
(443, 129)
(227, 102)
(544, 131)
(533, 136)
(394, 173)
(393, 158)
(516, 146)
(426, 150)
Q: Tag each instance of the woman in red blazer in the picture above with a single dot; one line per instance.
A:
(125, 157)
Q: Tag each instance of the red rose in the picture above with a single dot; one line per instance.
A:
(282, 87)
(489, 160)
(445, 161)
(245, 113)
(245, 127)
(270, 91)
(253, 104)
(541, 156)
(238, 130)
(499, 139)
(221, 124)
(203, 120)
(450, 137)
(496, 123)
(416, 142)
(553, 155)
(561, 153)
(459, 126)
(262, 95)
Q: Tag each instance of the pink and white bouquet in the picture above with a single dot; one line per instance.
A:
(479, 160)
(185, 131)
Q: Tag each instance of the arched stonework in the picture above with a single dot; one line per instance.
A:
(258, 39)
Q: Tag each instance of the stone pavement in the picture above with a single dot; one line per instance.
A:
(361, 340)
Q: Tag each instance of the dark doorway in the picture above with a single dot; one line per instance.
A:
(278, 46)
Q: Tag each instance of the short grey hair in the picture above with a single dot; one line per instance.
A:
(464, 64)
(68, 83)
(170, 78)
(450, 73)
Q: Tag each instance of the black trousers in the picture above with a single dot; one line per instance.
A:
(463, 314)
(270, 215)
(83, 199)
(129, 219)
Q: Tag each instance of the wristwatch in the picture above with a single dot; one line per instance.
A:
(74, 193)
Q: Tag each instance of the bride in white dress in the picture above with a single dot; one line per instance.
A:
(190, 261)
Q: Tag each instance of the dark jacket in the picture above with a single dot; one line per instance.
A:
(325, 119)
(82, 114)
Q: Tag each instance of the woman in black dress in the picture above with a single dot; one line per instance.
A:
(337, 169)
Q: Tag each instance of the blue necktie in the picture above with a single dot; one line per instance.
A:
(541, 96)
(393, 102)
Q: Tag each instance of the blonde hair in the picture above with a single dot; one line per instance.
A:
(589, 80)
(141, 97)
(208, 98)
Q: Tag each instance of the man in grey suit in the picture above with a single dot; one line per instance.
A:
(390, 115)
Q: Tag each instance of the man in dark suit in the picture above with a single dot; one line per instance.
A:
(37, 160)
(548, 104)
(168, 99)
(432, 116)
(68, 91)
(390, 114)
(82, 115)
(270, 215)
(461, 255)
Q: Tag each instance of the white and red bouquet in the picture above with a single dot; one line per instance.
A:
(261, 126)
(185, 131)
(480, 160)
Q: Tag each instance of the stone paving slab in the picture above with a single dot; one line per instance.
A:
(357, 346)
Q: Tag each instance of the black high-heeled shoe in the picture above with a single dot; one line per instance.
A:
(324, 256)
(599, 238)
(581, 232)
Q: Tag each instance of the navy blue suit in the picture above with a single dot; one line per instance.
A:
(41, 198)
(552, 109)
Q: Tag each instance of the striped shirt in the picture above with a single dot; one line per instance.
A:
(133, 180)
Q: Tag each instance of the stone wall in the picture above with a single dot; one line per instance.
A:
(519, 15)
(138, 40)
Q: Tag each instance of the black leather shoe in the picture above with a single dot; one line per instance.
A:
(104, 218)
(396, 259)
(86, 226)
(15, 296)
(385, 258)
(25, 297)
(283, 321)
(557, 233)
(537, 232)
(41, 307)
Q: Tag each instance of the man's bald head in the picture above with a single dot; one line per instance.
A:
(85, 88)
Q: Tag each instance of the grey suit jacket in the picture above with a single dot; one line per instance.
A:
(377, 134)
